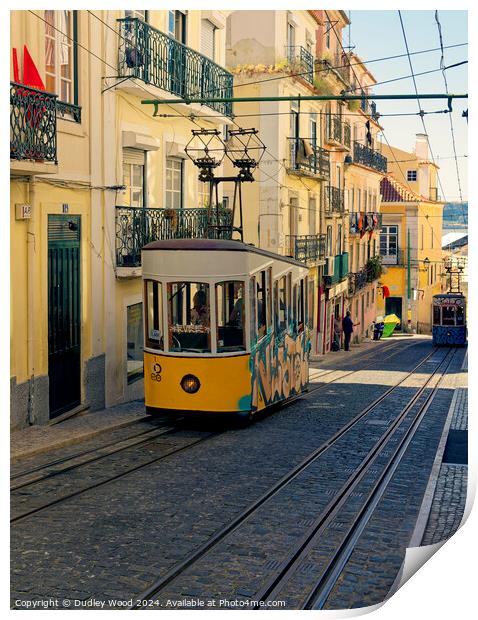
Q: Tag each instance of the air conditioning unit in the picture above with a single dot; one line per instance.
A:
(329, 266)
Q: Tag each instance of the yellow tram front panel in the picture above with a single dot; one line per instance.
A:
(224, 382)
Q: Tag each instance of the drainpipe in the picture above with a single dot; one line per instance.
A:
(31, 300)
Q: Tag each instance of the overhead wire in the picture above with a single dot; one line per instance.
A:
(382, 132)
(452, 130)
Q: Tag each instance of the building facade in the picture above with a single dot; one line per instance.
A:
(94, 176)
(319, 161)
(410, 238)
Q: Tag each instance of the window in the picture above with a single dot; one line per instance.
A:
(203, 194)
(154, 315)
(174, 183)
(263, 294)
(436, 315)
(327, 32)
(329, 241)
(389, 241)
(189, 322)
(310, 303)
(61, 55)
(230, 316)
(177, 25)
(290, 38)
(208, 32)
(133, 178)
(339, 239)
(134, 342)
(351, 199)
(448, 315)
(282, 307)
(313, 130)
(411, 175)
(312, 216)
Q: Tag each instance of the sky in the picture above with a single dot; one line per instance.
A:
(376, 34)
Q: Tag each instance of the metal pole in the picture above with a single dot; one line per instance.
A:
(205, 100)
(409, 281)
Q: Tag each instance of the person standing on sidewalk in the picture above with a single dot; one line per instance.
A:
(348, 329)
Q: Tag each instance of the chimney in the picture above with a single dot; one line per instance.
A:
(421, 146)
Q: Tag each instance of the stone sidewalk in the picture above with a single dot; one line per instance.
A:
(37, 439)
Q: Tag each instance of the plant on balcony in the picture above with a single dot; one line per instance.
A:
(374, 267)
(322, 87)
(326, 57)
(353, 105)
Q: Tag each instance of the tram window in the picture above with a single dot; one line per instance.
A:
(230, 316)
(301, 308)
(448, 316)
(252, 295)
(261, 304)
(460, 316)
(269, 297)
(436, 315)
(295, 313)
(310, 304)
(282, 304)
(189, 323)
(154, 315)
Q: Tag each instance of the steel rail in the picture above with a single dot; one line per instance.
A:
(59, 500)
(289, 566)
(200, 551)
(132, 443)
(321, 592)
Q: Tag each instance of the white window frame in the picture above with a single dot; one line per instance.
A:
(172, 190)
(61, 43)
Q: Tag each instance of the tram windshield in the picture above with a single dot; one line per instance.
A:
(230, 311)
(189, 317)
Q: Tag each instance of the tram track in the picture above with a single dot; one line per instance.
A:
(155, 434)
(338, 559)
(175, 571)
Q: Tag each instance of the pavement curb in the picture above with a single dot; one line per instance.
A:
(70, 441)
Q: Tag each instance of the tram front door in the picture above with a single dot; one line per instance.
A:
(64, 322)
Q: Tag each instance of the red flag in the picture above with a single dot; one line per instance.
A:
(16, 74)
(31, 77)
(385, 291)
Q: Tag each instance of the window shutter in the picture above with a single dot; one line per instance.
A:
(133, 156)
(207, 38)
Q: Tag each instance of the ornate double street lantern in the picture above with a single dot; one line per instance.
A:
(207, 150)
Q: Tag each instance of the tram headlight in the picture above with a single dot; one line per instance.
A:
(190, 384)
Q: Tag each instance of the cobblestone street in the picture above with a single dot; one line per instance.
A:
(311, 506)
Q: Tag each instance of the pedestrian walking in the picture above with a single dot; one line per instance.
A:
(348, 329)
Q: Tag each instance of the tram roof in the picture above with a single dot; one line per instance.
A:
(215, 245)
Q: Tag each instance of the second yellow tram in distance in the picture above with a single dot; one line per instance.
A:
(226, 327)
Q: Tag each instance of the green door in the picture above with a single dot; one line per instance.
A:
(64, 318)
(393, 305)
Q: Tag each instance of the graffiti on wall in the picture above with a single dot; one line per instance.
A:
(280, 368)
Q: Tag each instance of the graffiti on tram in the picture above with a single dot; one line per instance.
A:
(279, 369)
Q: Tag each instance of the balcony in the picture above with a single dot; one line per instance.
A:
(334, 199)
(33, 144)
(399, 258)
(368, 157)
(155, 58)
(362, 222)
(337, 131)
(309, 249)
(369, 108)
(361, 278)
(302, 61)
(340, 269)
(308, 159)
(137, 226)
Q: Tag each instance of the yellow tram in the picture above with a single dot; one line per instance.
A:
(226, 327)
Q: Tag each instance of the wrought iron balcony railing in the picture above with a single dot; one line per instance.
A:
(137, 226)
(337, 131)
(334, 199)
(308, 248)
(361, 278)
(307, 158)
(302, 60)
(399, 258)
(32, 124)
(361, 222)
(370, 158)
(158, 59)
(369, 108)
